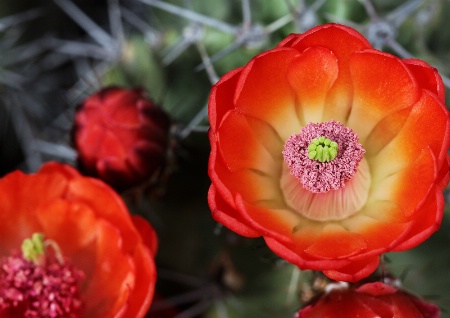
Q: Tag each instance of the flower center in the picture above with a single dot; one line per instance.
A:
(39, 282)
(322, 149)
(323, 156)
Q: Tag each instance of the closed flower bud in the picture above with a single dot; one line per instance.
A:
(121, 136)
(370, 300)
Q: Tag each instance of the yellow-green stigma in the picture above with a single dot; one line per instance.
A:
(33, 249)
(322, 149)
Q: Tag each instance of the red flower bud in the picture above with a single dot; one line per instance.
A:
(370, 300)
(121, 136)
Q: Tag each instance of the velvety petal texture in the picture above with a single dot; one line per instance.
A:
(370, 300)
(94, 230)
(330, 73)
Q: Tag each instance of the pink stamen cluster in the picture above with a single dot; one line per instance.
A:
(42, 290)
(320, 177)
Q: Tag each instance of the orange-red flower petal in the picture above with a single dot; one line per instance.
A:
(311, 75)
(343, 42)
(220, 208)
(274, 102)
(427, 77)
(382, 84)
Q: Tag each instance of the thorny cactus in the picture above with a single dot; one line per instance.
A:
(56, 53)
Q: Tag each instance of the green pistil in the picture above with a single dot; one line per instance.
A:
(322, 149)
(33, 249)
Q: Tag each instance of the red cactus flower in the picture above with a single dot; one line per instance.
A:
(371, 300)
(82, 253)
(333, 151)
(121, 136)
